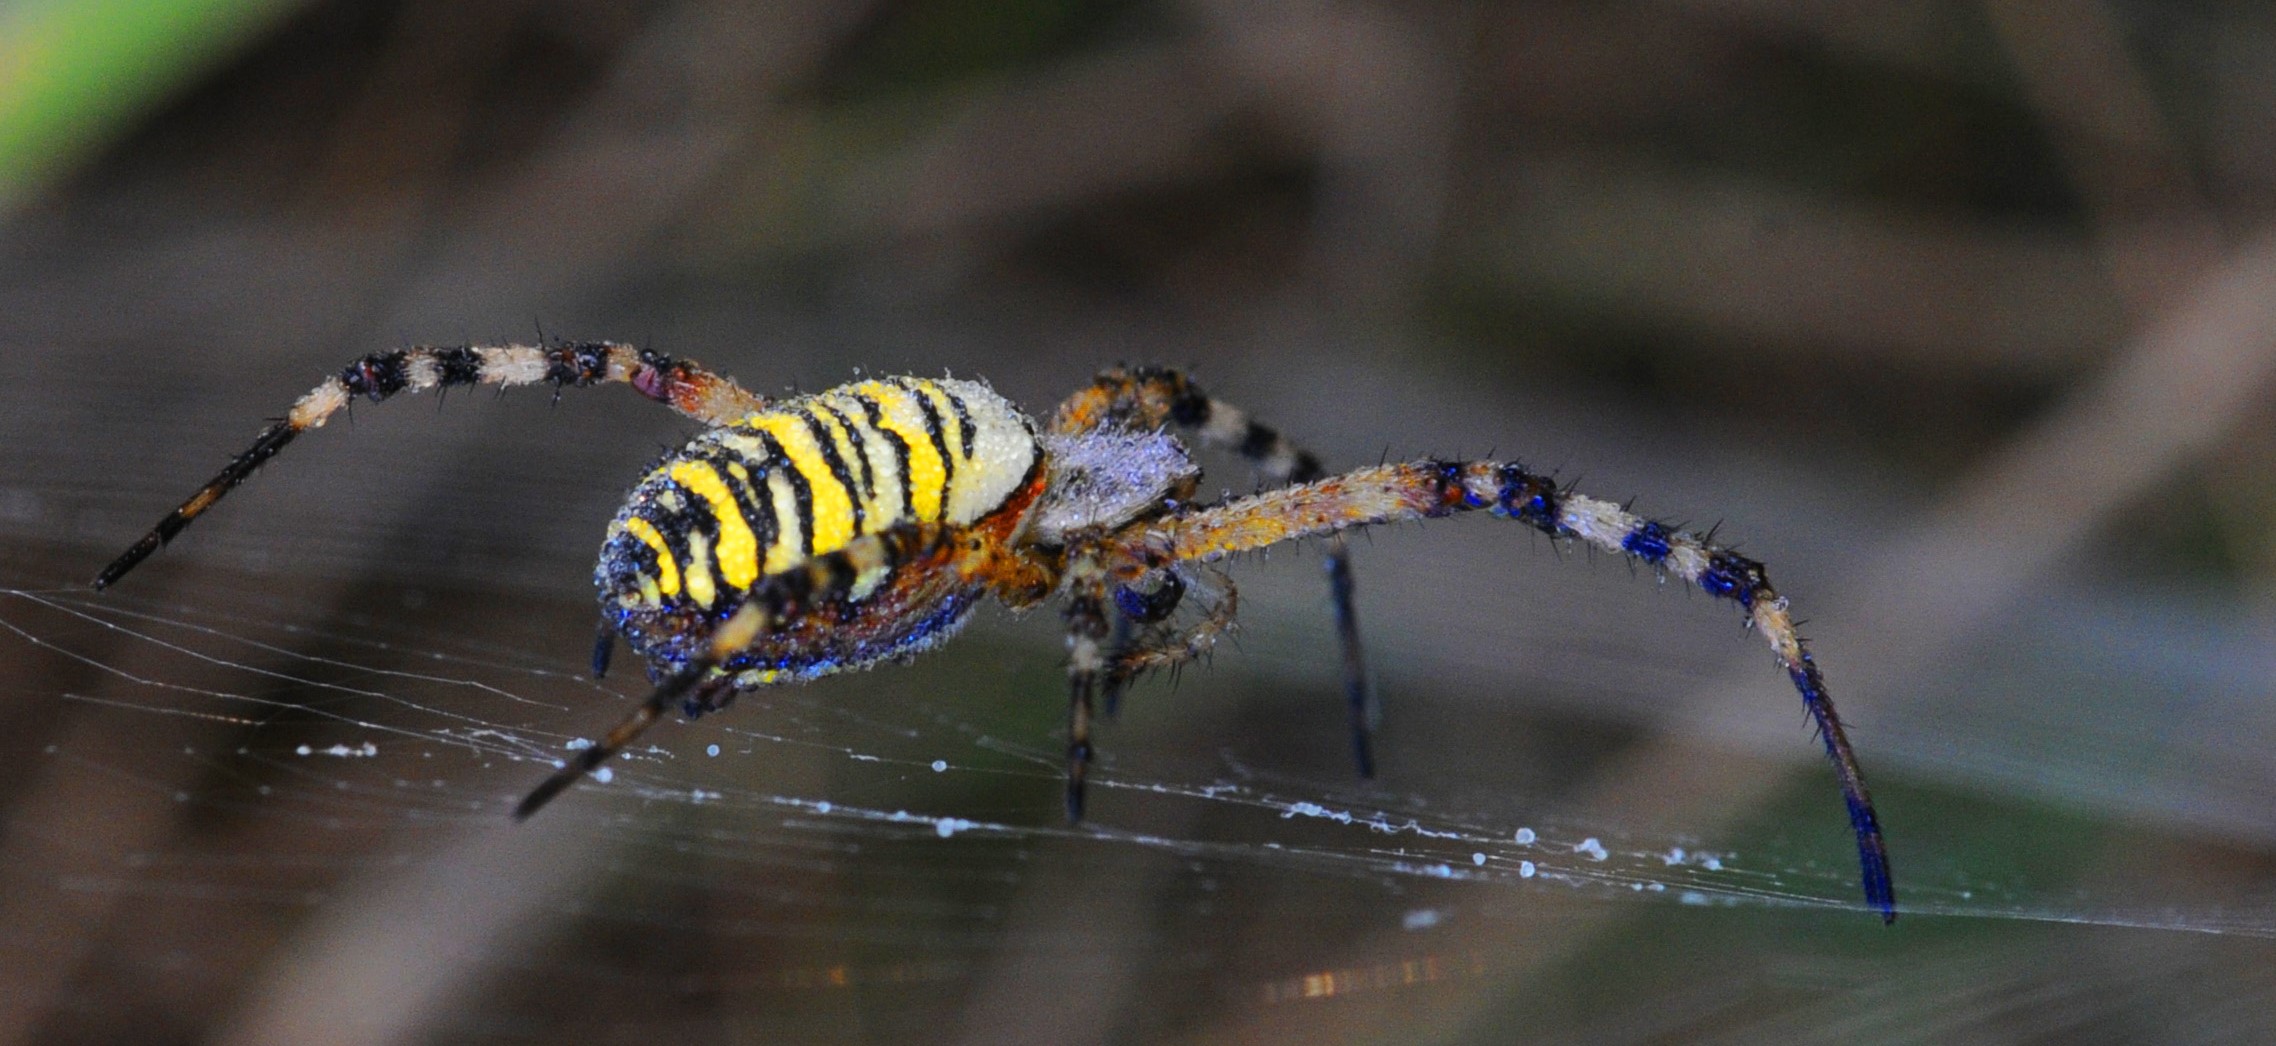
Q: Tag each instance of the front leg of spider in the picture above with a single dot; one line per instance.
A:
(1435, 489)
(1359, 695)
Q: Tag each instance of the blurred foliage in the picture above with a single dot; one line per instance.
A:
(75, 74)
(932, 45)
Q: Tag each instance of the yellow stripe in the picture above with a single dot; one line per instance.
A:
(833, 503)
(700, 588)
(738, 551)
(952, 437)
(885, 502)
(667, 569)
(951, 423)
(926, 485)
(785, 552)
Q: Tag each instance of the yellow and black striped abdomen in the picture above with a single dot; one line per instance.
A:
(800, 479)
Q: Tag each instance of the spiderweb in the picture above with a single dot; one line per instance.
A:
(339, 763)
(339, 727)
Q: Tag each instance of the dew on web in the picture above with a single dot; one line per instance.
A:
(329, 732)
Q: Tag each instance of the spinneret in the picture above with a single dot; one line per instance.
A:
(829, 532)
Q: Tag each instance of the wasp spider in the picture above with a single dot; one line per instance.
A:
(826, 533)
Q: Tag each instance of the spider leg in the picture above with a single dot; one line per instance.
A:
(1433, 489)
(683, 385)
(1086, 626)
(1358, 695)
(1175, 648)
(1149, 397)
(604, 648)
(1135, 609)
(1125, 639)
(773, 599)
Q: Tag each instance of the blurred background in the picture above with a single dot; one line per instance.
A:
(1960, 316)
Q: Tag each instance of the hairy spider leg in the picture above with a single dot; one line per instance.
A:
(1135, 610)
(1433, 489)
(1091, 671)
(683, 385)
(813, 585)
(1173, 648)
(1086, 625)
(1149, 397)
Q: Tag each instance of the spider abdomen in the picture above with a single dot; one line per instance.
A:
(801, 479)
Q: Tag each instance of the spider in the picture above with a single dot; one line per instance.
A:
(825, 533)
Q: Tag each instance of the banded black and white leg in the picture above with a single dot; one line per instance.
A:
(815, 584)
(683, 385)
(1433, 489)
(1087, 632)
(1129, 618)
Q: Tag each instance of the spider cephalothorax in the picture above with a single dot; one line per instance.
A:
(826, 533)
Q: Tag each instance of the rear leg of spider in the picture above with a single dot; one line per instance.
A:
(1434, 489)
(604, 648)
(683, 385)
(774, 599)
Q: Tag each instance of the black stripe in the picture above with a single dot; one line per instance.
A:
(633, 556)
(459, 366)
(1258, 441)
(875, 415)
(271, 440)
(964, 428)
(1189, 406)
(785, 594)
(379, 375)
(860, 447)
(940, 442)
(842, 574)
(831, 457)
(754, 499)
(695, 509)
(674, 527)
(800, 490)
